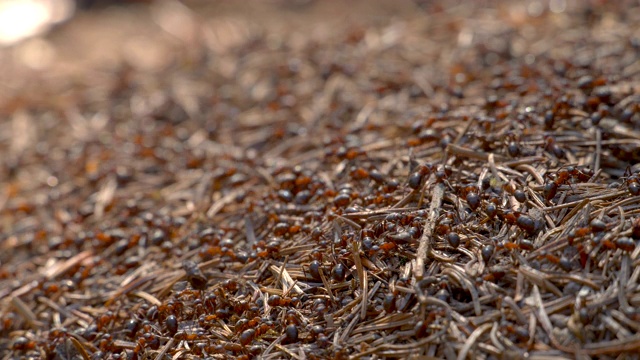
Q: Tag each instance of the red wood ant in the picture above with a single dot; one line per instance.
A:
(632, 181)
(598, 226)
(552, 147)
(421, 173)
(564, 177)
(523, 221)
(276, 300)
(471, 194)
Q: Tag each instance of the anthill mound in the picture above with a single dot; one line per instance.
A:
(317, 180)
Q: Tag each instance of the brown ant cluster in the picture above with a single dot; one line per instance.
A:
(456, 180)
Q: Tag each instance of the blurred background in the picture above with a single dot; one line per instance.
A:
(40, 39)
(44, 38)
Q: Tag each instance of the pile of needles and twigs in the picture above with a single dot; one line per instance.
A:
(453, 181)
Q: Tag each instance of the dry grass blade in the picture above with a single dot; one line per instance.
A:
(531, 170)
(539, 279)
(148, 297)
(164, 349)
(471, 341)
(355, 251)
(463, 152)
(575, 211)
(84, 321)
(222, 202)
(130, 287)
(542, 316)
(424, 247)
(388, 322)
(60, 268)
(80, 348)
(26, 313)
(327, 286)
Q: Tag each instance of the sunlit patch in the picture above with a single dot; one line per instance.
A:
(20, 19)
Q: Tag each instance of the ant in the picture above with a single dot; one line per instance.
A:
(623, 243)
(244, 324)
(564, 177)
(23, 344)
(632, 180)
(276, 300)
(388, 246)
(420, 174)
(194, 275)
(524, 244)
(524, 222)
(552, 147)
(253, 329)
(597, 226)
(635, 229)
(518, 332)
(471, 193)
(494, 275)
